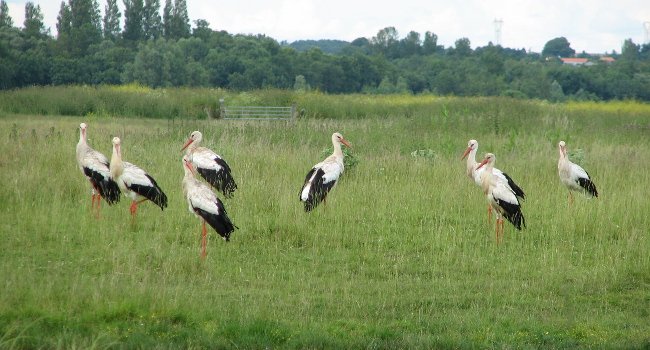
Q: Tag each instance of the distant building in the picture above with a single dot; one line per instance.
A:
(572, 61)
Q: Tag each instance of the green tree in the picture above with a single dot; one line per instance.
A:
(410, 45)
(630, 50)
(385, 42)
(492, 60)
(167, 19)
(133, 20)
(10, 51)
(556, 92)
(180, 21)
(112, 17)
(430, 43)
(33, 60)
(386, 86)
(5, 19)
(33, 25)
(558, 47)
(202, 30)
(462, 48)
(152, 23)
(64, 29)
(158, 63)
(300, 84)
(85, 25)
(110, 60)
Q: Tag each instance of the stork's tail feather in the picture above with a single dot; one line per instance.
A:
(513, 213)
(160, 199)
(588, 186)
(517, 219)
(222, 180)
(152, 193)
(220, 223)
(311, 203)
(518, 191)
(515, 188)
(106, 187)
(110, 191)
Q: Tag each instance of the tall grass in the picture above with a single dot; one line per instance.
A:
(135, 101)
(401, 256)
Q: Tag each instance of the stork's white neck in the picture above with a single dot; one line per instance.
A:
(82, 137)
(116, 166)
(338, 152)
(471, 162)
(192, 146)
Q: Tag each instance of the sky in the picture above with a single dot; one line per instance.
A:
(592, 26)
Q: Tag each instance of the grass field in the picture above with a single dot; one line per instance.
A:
(401, 256)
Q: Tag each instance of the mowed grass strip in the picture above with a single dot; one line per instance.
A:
(401, 256)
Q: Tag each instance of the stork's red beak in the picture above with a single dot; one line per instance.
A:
(466, 153)
(345, 142)
(189, 166)
(482, 163)
(189, 141)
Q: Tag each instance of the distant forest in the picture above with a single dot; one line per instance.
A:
(158, 46)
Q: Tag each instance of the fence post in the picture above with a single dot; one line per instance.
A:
(293, 112)
(222, 109)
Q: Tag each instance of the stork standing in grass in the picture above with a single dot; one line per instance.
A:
(475, 174)
(210, 165)
(324, 175)
(500, 197)
(573, 176)
(95, 167)
(135, 182)
(205, 205)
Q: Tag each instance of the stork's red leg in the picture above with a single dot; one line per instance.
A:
(204, 241)
(134, 206)
(502, 223)
(489, 214)
(570, 198)
(99, 202)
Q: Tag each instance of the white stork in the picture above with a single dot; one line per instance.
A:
(573, 176)
(205, 205)
(500, 197)
(135, 182)
(210, 165)
(95, 167)
(324, 175)
(475, 174)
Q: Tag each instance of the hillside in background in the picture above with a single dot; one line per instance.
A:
(325, 45)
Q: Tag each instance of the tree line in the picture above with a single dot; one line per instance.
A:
(164, 49)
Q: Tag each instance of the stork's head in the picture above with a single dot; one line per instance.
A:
(489, 159)
(338, 138)
(195, 138)
(116, 145)
(472, 145)
(82, 130)
(187, 164)
(562, 146)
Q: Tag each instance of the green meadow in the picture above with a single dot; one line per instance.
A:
(401, 256)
